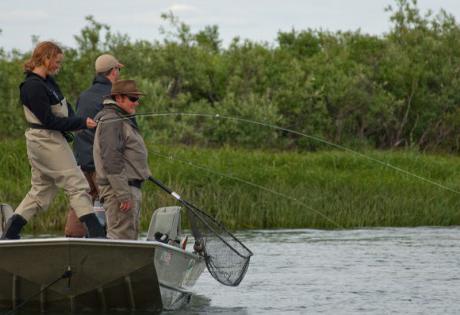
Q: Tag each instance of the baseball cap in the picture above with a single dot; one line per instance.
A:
(106, 62)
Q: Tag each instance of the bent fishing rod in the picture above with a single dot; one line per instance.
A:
(170, 158)
(254, 122)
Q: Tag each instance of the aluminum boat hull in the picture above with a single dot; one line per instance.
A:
(105, 275)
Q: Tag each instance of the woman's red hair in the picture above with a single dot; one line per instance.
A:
(43, 50)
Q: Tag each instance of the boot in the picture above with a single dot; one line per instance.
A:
(73, 226)
(13, 227)
(94, 227)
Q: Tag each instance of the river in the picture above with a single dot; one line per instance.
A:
(362, 271)
(365, 271)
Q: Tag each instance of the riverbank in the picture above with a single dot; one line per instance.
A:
(259, 189)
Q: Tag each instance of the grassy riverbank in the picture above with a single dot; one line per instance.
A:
(329, 189)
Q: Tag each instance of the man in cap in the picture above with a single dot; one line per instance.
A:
(120, 157)
(88, 105)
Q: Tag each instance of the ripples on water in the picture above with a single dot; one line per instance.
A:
(374, 271)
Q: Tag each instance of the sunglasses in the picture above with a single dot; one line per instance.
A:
(133, 98)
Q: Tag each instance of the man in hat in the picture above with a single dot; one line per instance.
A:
(120, 157)
(88, 105)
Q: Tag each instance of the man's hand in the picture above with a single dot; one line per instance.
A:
(90, 123)
(126, 205)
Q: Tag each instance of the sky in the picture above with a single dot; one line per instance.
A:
(257, 20)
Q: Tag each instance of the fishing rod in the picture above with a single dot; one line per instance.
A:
(254, 122)
(226, 257)
(194, 209)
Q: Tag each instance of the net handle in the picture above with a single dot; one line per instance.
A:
(194, 209)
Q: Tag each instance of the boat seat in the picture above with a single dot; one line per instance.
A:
(165, 222)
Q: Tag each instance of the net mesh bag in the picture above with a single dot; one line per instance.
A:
(227, 259)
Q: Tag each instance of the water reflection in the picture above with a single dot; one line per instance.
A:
(201, 305)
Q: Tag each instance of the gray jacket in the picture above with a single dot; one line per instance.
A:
(119, 151)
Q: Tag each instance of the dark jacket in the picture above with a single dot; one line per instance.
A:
(89, 104)
(38, 96)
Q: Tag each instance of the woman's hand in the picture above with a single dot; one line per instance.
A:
(90, 123)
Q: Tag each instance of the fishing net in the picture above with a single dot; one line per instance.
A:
(227, 259)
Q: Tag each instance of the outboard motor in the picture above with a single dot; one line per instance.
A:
(6, 211)
(165, 226)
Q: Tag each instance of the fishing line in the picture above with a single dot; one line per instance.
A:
(338, 146)
(170, 157)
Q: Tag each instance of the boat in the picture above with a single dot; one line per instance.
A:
(83, 274)
(99, 275)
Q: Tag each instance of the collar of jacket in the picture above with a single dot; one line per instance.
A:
(101, 79)
(29, 75)
(109, 103)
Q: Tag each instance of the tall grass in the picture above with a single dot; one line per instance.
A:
(259, 189)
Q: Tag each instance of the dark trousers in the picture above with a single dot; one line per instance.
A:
(73, 226)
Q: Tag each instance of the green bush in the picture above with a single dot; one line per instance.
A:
(399, 89)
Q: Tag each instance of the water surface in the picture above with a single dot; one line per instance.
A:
(368, 271)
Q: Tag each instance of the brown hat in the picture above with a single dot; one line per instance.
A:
(106, 62)
(126, 87)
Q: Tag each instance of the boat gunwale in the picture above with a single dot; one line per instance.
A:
(95, 241)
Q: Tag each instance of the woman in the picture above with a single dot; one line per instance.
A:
(52, 162)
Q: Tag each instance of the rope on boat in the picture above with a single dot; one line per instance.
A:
(66, 275)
